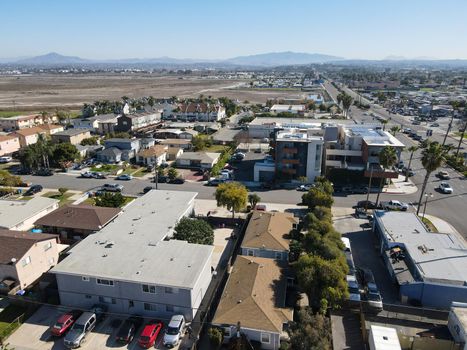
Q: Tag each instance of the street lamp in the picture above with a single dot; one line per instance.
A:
(427, 195)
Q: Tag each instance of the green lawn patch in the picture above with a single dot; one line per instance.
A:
(107, 168)
(8, 319)
(141, 172)
(426, 89)
(458, 134)
(216, 148)
(90, 201)
(9, 114)
(429, 225)
(62, 198)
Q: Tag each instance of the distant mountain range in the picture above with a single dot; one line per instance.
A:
(272, 59)
(264, 60)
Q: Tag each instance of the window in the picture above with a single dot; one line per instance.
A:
(227, 332)
(105, 282)
(251, 252)
(85, 278)
(87, 296)
(107, 300)
(26, 261)
(150, 307)
(131, 303)
(147, 288)
(169, 308)
(47, 246)
(170, 290)
(265, 338)
(278, 255)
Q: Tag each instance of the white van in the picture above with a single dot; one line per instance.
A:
(174, 331)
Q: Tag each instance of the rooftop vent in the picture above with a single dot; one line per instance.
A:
(239, 301)
(104, 255)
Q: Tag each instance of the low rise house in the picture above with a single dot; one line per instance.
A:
(254, 298)
(131, 267)
(24, 257)
(28, 136)
(294, 109)
(129, 147)
(177, 143)
(198, 160)
(152, 156)
(267, 235)
(73, 136)
(20, 215)
(175, 134)
(173, 153)
(25, 121)
(9, 144)
(102, 124)
(89, 150)
(136, 122)
(51, 129)
(109, 155)
(75, 222)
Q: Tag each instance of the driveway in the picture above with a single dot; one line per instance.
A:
(34, 334)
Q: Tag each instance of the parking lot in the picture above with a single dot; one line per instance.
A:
(364, 250)
(34, 334)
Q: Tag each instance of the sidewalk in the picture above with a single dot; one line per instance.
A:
(445, 227)
(399, 186)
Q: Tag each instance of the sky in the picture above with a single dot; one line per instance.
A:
(218, 29)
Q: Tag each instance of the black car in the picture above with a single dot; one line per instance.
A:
(161, 179)
(177, 181)
(33, 190)
(23, 171)
(367, 204)
(127, 330)
(147, 189)
(360, 190)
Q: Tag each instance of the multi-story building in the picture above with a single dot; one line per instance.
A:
(132, 267)
(358, 148)
(29, 136)
(138, 121)
(298, 154)
(9, 144)
(206, 112)
(25, 121)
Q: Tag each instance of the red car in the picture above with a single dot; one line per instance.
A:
(65, 322)
(149, 334)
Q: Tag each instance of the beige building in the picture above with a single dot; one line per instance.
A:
(29, 136)
(25, 256)
(155, 155)
(51, 129)
(25, 121)
(21, 215)
(8, 144)
(73, 136)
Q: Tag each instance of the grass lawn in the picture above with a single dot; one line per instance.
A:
(429, 224)
(141, 172)
(458, 134)
(90, 201)
(132, 170)
(56, 195)
(216, 148)
(426, 89)
(8, 114)
(105, 168)
(9, 315)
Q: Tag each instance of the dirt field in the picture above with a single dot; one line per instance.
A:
(36, 92)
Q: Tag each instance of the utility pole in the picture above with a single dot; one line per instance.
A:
(369, 189)
(449, 129)
(427, 195)
(156, 177)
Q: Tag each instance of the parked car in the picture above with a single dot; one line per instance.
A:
(100, 311)
(23, 171)
(112, 187)
(173, 333)
(87, 175)
(80, 329)
(43, 172)
(434, 125)
(394, 205)
(409, 171)
(97, 175)
(150, 333)
(368, 205)
(5, 159)
(147, 189)
(443, 175)
(177, 181)
(444, 187)
(374, 299)
(64, 322)
(33, 190)
(304, 188)
(127, 330)
(215, 182)
(161, 179)
(260, 207)
(124, 177)
(354, 289)
(346, 242)
(360, 190)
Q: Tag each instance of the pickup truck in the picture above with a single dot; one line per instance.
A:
(394, 205)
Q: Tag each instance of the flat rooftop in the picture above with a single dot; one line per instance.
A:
(13, 212)
(373, 136)
(132, 247)
(295, 135)
(440, 257)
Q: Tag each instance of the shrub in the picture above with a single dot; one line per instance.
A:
(215, 336)
(62, 190)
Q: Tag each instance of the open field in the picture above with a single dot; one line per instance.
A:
(37, 92)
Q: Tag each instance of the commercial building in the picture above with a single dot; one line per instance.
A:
(130, 266)
(429, 268)
(75, 222)
(20, 215)
(298, 154)
(73, 136)
(267, 127)
(24, 257)
(267, 235)
(254, 300)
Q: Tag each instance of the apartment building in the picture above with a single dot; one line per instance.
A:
(25, 121)
(9, 144)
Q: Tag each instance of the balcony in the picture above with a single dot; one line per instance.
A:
(290, 150)
(290, 161)
(343, 152)
(289, 171)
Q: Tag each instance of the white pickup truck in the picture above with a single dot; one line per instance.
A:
(394, 205)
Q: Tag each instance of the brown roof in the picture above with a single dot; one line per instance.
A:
(267, 230)
(175, 142)
(48, 127)
(82, 216)
(154, 151)
(254, 295)
(29, 131)
(14, 244)
(7, 137)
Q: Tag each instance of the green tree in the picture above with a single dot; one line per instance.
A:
(394, 130)
(216, 337)
(64, 152)
(324, 185)
(231, 195)
(387, 158)
(322, 280)
(433, 157)
(317, 197)
(8, 180)
(194, 231)
(172, 173)
(462, 130)
(310, 332)
(384, 122)
(160, 171)
(111, 200)
(253, 199)
(90, 141)
(199, 142)
(62, 190)
(412, 150)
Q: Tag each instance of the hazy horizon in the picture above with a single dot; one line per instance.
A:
(207, 30)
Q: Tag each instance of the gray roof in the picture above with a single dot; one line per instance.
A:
(71, 132)
(122, 140)
(111, 151)
(106, 117)
(225, 135)
(132, 247)
(437, 256)
(13, 212)
(201, 156)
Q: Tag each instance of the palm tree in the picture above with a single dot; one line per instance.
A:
(432, 158)
(462, 128)
(412, 150)
(394, 130)
(387, 158)
(384, 122)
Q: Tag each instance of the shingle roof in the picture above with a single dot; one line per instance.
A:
(16, 243)
(154, 151)
(111, 151)
(29, 131)
(85, 217)
(254, 295)
(206, 157)
(175, 142)
(267, 230)
(48, 127)
(7, 137)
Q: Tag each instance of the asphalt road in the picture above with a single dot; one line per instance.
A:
(451, 208)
